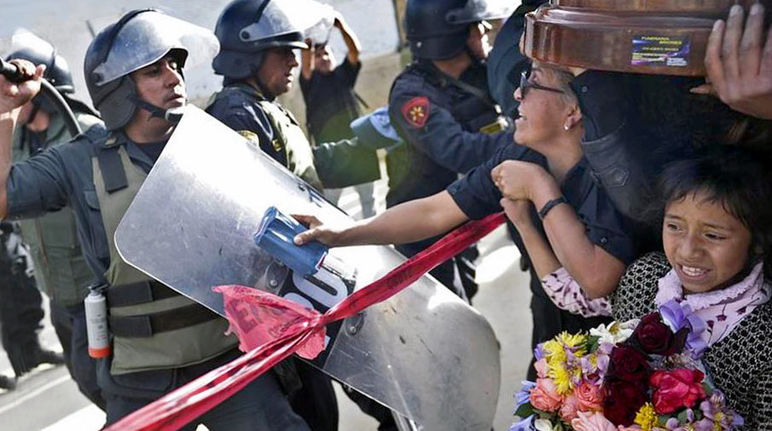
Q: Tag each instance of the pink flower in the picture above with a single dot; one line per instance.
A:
(592, 422)
(569, 408)
(676, 389)
(544, 396)
(541, 368)
(588, 396)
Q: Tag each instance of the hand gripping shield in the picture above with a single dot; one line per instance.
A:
(424, 353)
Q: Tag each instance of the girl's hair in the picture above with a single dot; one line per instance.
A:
(735, 177)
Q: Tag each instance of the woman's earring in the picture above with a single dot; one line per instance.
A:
(566, 127)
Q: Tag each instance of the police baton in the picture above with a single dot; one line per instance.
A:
(12, 72)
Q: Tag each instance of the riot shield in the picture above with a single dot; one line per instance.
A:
(424, 353)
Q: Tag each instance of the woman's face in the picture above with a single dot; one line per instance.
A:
(706, 245)
(542, 112)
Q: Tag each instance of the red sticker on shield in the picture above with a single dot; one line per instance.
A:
(416, 111)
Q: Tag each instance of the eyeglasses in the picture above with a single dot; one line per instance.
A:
(526, 84)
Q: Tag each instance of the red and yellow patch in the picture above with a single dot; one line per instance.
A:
(416, 111)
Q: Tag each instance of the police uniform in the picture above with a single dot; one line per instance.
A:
(477, 196)
(244, 109)
(161, 340)
(60, 269)
(450, 126)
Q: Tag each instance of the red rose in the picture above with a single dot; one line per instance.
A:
(622, 399)
(654, 337)
(628, 363)
(675, 389)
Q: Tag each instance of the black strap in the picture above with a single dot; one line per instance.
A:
(360, 99)
(112, 169)
(163, 321)
(471, 89)
(551, 204)
(138, 293)
(260, 9)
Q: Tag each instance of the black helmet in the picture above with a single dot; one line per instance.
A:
(138, 39)
(246, 28)
(57, 70)
(30, 47)
(438, 29)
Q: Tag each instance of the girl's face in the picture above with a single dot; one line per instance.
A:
(706, 245)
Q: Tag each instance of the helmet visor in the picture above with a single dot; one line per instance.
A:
(276, 20)
(305, 18)
(480, 10)
(149, 36)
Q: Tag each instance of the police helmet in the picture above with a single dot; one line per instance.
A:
(140, 38)
(32, 48)
(438, 29)
(41, 52)
(246, 28)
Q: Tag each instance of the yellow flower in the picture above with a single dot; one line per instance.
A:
(554, 352)
(646, 417)
(572, 340)
(562, 379)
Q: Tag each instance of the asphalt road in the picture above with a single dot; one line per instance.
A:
(48, 400)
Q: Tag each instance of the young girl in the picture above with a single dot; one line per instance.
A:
(716, 231)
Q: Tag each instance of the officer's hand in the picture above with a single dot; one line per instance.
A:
(310, 44)
(518, 212)
(516, 180)
(739, 63)
(14, 95)
(317, 231)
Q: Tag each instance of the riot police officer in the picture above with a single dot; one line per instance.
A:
(441, 108)
(161, 340)
(60, 269)
(257, 61)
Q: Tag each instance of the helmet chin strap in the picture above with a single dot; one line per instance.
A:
(172, 115)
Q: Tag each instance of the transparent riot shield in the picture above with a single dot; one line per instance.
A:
(424, 353)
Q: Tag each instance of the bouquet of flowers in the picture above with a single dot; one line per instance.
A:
(636, 375)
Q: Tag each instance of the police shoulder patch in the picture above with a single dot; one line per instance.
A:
(416, 111)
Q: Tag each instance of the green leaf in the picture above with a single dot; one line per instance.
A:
(592, 343)
(525, 410)
(708, 388)
(682, 416)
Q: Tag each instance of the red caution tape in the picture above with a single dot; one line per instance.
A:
(290, 328)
